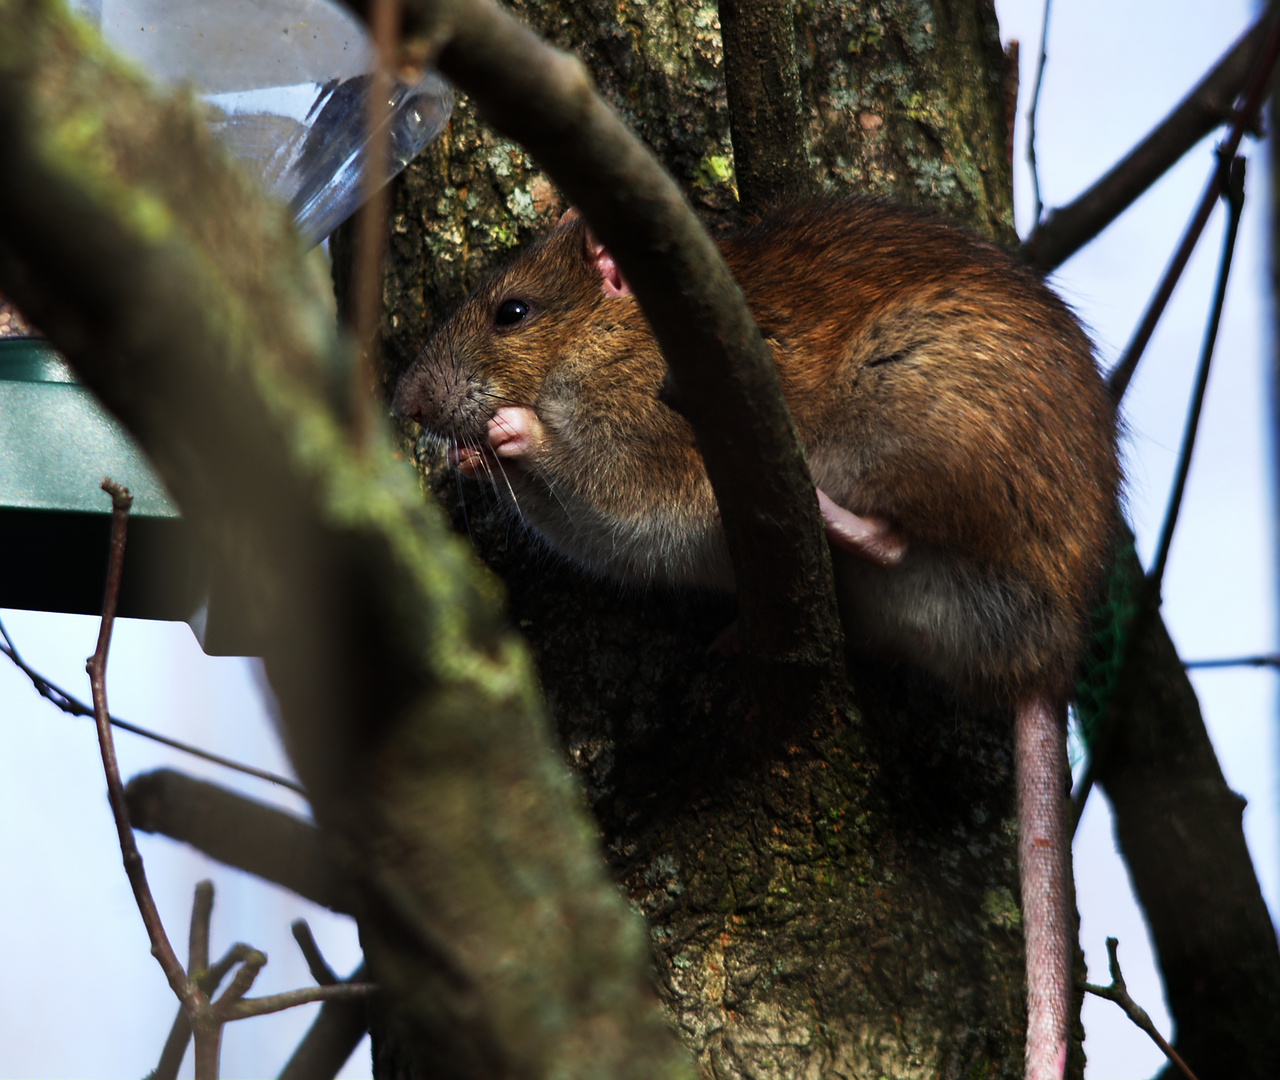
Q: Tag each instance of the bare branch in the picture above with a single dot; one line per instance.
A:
(339, 1027)
(1210, 103)
(185, 989)
(201, 917)
(762, 81)
(406, 701)
(1263, 660)
(175, 1046)
(240, 1009)
(174, 1049)
(1041, 60)
(1234, 193)
(316, 964)
(331, 1039)
(1178, 827)
(1254, 91)
(238, 831)
(1118, 993)
(241, 983)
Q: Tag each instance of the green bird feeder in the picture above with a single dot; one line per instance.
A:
(56, 445)
(286, 84)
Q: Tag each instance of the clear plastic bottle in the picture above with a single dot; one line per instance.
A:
(287, 82)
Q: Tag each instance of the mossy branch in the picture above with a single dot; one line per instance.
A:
(183, 299)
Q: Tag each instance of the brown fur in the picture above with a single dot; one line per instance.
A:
(934, 382)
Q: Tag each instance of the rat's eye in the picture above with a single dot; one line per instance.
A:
(510, 312)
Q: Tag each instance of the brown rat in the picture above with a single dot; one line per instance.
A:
(955, 424)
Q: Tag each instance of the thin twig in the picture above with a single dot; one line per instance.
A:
(261, 1006)
(243, 980)
(316, 963)
(1234, 194)
(1265, 660)
(338, 1028)
(1122, 373)
(73, 706)
(201, 917)
(1031, 116)
(329, 1042)
(371, 222)
(186, 989)
(1120, 995)
(1067, 229)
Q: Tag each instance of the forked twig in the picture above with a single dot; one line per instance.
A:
(1120, 995)
(175, 1046)
(206, 1018)
(185, 988)
(338, 1028)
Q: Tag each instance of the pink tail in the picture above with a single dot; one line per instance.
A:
(1041, 763)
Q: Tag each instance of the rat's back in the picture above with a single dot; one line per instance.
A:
(938, 383)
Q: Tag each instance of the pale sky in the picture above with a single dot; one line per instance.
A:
(1115, 68)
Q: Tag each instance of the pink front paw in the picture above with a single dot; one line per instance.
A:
(514, 432)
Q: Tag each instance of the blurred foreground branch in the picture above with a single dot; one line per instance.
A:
(182, 298)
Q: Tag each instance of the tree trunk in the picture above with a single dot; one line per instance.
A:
(840, 901)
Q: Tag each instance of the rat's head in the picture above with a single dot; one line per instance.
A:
(519, 324)
(545, 382)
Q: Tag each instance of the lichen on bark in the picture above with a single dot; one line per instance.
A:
(837, 900)
(921, 83)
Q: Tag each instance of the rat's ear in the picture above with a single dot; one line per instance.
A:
(612, 283)
(598, 257)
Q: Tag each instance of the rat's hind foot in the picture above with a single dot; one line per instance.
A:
(870, 538)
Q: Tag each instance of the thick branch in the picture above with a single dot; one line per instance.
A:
(239, 832)
(725, 380)
(1178, 826)
(1067, 229)
(408, 706)
(763, 86)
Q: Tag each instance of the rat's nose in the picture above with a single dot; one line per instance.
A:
(407, 404)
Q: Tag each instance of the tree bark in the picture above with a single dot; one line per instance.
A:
(844, 900)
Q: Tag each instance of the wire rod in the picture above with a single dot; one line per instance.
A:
(73, 706)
